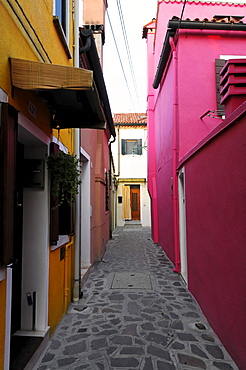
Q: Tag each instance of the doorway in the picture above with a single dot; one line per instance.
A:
(17, 247)
(182, 226)
(135, 201)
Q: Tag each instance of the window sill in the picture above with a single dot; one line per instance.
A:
(63, 239)
(61, 35)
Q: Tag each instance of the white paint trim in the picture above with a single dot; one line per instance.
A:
(182, 225)
(62, 147)
(33, 129)
(227, 57)
(84, 154)
(85, 230)
(8, 318)
(63, 239)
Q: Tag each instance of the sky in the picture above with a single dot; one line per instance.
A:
(127, 97)
(127, 91)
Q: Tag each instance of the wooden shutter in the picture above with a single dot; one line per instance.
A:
(123, 147)
(139, 146)
(54, 213)
(8, 144)
(219, 64)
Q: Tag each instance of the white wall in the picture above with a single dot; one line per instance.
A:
(132, 166)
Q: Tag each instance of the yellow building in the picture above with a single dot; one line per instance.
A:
(44, 99)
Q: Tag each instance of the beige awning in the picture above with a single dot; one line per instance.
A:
(70, 92)
(30, 75)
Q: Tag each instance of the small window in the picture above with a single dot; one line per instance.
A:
(120, 199)
(62, 13)
(131, 146)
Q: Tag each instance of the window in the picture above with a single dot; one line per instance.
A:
(61, 12)
(131, 146)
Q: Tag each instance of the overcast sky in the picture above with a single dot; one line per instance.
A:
(128, 97)
(136, 13)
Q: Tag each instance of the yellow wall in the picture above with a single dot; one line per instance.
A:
(2, 321)
(40, 42)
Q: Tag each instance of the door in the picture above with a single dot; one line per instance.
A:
(182, 226)
(17, 247)
(135, 201)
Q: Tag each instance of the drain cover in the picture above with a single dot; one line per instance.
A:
(128, 280)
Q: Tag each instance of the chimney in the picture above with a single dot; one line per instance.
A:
(233, 84)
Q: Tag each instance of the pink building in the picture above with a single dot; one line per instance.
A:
(196, 151)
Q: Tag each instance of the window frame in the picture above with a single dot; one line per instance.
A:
(124, 150)
(63, 15)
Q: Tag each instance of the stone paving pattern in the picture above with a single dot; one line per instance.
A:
(146, 329)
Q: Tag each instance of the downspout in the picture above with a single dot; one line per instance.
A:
(76, 287)
(118, 135)
(175, 158)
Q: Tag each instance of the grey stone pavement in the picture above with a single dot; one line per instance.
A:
(136, 313)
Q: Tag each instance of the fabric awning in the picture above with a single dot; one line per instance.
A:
(70, 92)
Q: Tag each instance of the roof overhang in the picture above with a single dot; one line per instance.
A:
(70, 92)
(175, 24)
(94, 62)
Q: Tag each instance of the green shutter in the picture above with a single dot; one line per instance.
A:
(123, 151)
(139, 146)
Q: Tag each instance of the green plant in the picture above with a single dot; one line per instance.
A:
(64, 171)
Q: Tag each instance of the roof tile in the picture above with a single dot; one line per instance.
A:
(137, 118)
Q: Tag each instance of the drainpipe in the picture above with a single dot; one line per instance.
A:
(175, 158)
(76, 287)
(118, 134)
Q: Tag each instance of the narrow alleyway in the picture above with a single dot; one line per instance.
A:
(135, 313)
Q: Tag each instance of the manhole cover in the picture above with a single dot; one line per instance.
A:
(128, 280)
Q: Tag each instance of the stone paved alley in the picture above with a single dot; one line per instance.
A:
(135, 313)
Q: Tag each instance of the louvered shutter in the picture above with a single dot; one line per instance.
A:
(219, 64)
(123, 148)
(139, 146)
(54, 213)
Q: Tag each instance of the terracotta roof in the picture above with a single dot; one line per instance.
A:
(149, 26)
(203, 2)
(123, 118)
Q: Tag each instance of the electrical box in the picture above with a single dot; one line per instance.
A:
(34, 173)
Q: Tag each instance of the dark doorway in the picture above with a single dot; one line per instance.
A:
(17, 247)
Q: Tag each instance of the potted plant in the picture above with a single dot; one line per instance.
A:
(64, 170)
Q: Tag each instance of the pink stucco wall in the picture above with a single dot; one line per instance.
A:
(215, 181)
(196, 89)
(99, 162)
(151, 180)
(196, 93)
(214, 168)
